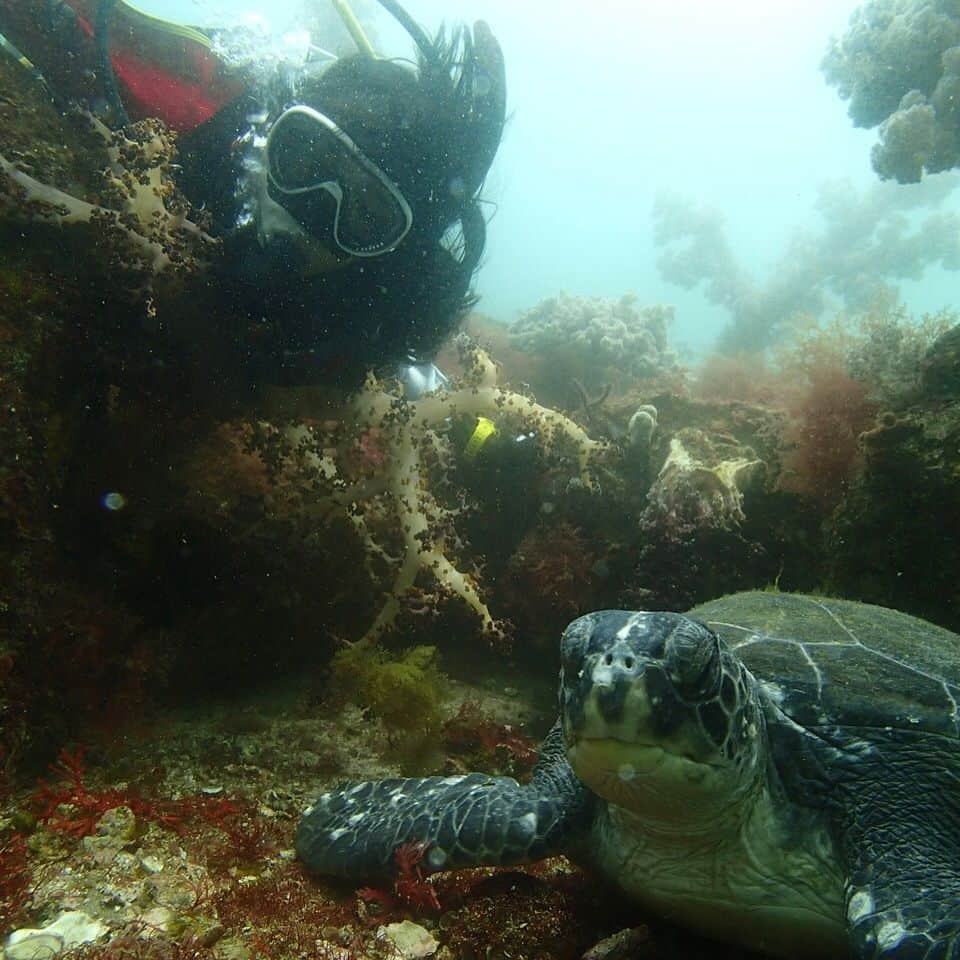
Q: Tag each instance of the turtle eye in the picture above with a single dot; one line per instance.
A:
(573, 643)
(693, 660)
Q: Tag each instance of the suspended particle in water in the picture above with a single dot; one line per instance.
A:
(113, 501)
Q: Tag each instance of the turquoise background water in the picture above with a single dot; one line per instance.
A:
(611, 102)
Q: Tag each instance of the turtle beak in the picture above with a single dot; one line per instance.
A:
(630, 684)
(613, 678)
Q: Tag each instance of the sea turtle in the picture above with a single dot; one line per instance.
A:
(776, 770)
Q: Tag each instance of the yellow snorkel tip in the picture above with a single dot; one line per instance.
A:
(482, 432)
(356, 31)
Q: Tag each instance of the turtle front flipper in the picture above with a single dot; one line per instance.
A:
(465, 821)
(893, 925)
(902, 845)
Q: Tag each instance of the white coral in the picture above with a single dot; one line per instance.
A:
(611, 335)
(141, 211)
(412, 431)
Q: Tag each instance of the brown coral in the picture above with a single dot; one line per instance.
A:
(736, 376)
(549, 580)
(824, 429)
(139, 216)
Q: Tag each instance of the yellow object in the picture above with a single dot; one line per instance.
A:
(7, 46)
(352, 24)
(484, 430)
(170, 27)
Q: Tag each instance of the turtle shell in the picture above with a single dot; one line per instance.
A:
(843, 664)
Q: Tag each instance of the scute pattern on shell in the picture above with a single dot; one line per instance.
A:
(839, 664)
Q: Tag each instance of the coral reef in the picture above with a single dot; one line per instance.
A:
(862, 245)
(419, 454)
(899, 66)
(593, 342)
(169, 532)
(113, 201)
(894, 538)
(694, 516)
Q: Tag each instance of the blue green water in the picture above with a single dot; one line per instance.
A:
(610, 103)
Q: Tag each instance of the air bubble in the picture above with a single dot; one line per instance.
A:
(113, 501)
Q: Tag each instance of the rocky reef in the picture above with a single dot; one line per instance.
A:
(587, 344)
(174, 532)
(895, 533)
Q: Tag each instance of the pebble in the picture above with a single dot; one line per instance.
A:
(116, 829)
(32, 945)
(69, 930)
(619, 946)
(209, 935)
(118, 823)
(158, 920)
(411, 940)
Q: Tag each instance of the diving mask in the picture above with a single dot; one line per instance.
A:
(306, 152)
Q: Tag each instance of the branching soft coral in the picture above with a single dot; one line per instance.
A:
(863, 243)
(402, 505)
(827, 420)
(139, 219)
(899, 66)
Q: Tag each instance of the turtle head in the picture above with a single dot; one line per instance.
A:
(659, 717)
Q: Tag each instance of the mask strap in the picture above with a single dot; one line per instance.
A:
(412, 27)
(100, 32)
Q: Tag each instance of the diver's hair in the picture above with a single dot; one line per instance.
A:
(427, 128)
(452, 73)
(420, 127)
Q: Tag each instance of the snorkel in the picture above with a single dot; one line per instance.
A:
(354, 28)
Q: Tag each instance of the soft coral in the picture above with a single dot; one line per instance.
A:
(71, 806)
(827, 419)
(14, 878)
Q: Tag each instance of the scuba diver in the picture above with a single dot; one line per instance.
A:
(346, 190)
